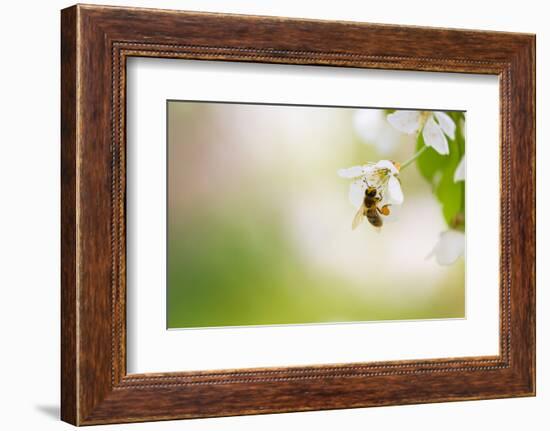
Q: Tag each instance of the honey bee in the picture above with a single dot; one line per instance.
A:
(370, 209)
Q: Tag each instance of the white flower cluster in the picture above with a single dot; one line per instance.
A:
(435, 127)
(382, 175)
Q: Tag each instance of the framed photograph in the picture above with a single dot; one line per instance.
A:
(265, 215)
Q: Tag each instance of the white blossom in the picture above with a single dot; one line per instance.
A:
(433, 125)
(460, 172)
(371, 126)
(449, 247)
(383, 175)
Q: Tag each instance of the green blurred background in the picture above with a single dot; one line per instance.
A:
(259, 223)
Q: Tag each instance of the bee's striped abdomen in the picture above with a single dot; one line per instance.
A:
(373, 217)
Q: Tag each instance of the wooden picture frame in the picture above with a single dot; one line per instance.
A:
(95, 43)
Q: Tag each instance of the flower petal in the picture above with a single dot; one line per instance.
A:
(357, 192)
(395, 194)
(434, 137)
(366, 123)
(405, 121)
(449, 248)
(446, 123)
(353, 172)
(460, 172)
(373, 129)
(386, 164)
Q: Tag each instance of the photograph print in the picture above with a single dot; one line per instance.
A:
(292, 214)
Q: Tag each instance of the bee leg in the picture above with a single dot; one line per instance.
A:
(385, 210)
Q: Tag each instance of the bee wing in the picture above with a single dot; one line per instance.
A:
(359, 217)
